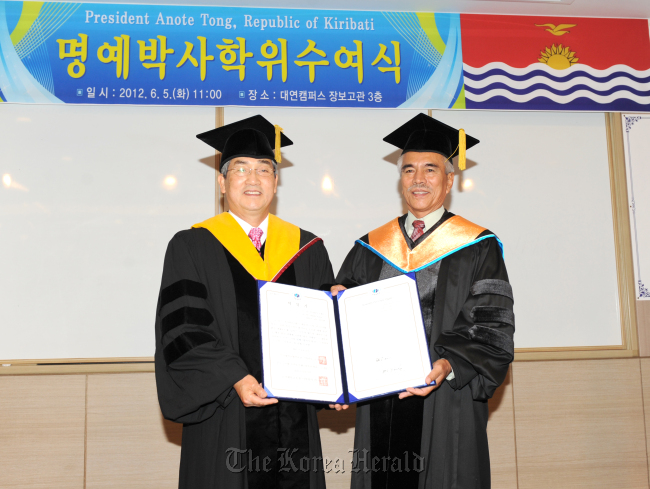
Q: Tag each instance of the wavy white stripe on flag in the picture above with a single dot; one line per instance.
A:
(498, 65)
(561, 99)
(579, 80)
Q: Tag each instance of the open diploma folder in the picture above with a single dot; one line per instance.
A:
(368, 341)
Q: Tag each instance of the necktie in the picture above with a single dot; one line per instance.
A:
(255, 234)
(418, 230)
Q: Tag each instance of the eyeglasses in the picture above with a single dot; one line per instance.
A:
(242, 171)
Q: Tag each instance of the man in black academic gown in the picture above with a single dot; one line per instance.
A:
(208, 360)
(435, 437)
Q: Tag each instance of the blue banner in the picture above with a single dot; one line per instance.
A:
(93, 53)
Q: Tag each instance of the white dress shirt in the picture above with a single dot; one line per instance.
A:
(429, 220)
(247, 227)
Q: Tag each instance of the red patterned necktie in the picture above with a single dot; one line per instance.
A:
(418, 230)
(255, 234)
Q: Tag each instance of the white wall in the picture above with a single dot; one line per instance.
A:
(85, 223)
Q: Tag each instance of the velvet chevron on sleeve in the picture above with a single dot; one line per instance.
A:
(196, 368)
(478, 342)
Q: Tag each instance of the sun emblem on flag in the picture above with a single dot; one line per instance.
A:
(558, 57)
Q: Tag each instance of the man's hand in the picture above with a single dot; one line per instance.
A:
(336, 289)
(441, 369)
(251, 393)
(338, 407)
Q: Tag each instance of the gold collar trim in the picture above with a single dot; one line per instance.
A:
(389, 242)
(282, 244)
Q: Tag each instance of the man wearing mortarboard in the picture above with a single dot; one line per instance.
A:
(435, 437)
(208, 352)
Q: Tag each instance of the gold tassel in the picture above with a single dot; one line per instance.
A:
(278, 139)
(462, 149)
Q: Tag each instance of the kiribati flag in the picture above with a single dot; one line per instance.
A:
(553, 63)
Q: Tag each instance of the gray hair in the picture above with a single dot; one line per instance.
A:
(224, 168)
(449, 166)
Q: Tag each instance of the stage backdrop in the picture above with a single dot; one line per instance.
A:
(92, 53)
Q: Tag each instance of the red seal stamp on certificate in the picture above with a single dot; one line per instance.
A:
(322, 360)
(322, 381)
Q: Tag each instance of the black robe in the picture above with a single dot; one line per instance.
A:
(207, 339)
(439, 441)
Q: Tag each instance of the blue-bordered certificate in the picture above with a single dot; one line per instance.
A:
(367, 342)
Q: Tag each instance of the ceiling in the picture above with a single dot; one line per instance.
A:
(561, 8)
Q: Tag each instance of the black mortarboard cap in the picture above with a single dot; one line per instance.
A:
(425, 134)
(254, 137)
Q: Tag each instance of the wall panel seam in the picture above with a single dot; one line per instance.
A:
(645, 430)
(85, 430)
(514, 421)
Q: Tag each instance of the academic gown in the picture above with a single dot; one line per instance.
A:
(207, 339)
(439, 441)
